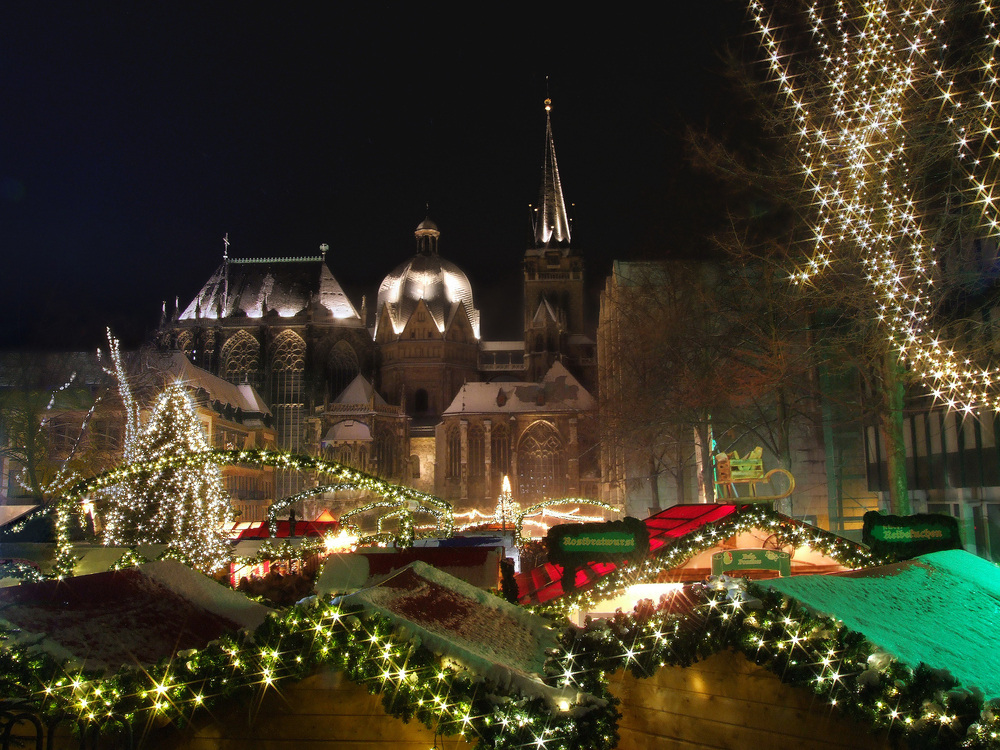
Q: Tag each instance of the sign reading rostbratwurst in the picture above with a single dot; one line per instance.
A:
(908, 536)
(577, 544)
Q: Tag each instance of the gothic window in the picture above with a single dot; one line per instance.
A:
(420, 401)
(477, 451)
(341, 367)
(500, 451)
(454, 448)
(288, 399)
(541, 463)
(241, 359)
(385, 452)
(185, 343)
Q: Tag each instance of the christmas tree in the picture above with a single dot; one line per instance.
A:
(182, 506)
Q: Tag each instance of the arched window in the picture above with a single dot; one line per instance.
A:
(477, 451)
(385, 452)
(241, 359)
(500, 451)
(541, 463)
(454, 454)
(420, 401)
(288, 362)
(341, 367)
(185, 343)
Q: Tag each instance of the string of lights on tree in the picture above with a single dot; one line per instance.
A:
(867, 93)
(171, 502)
(921, 705)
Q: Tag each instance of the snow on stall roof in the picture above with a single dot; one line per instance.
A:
(940, 609)
(500, 642)
(126, 617)
(244, 398)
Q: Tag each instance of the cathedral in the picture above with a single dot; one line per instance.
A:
(410, 391)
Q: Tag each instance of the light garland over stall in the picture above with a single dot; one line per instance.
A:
(818, 653)
(405, 500)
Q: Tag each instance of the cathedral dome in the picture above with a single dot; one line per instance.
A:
(427, 276)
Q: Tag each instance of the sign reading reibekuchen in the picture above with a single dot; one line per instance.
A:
(904, 537)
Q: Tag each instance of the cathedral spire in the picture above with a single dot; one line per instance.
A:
(551, 220)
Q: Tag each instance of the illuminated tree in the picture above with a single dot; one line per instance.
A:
(182, 506)
(889, 111)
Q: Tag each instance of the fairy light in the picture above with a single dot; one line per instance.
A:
(879, 71)
(181, 506)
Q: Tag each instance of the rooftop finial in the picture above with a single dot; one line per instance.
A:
(548, 105)
(225, 247)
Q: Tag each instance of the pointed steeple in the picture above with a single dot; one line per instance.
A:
(551, 219)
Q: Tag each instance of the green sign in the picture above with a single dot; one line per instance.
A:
(572, 545)
(909, 536)
(751, 559)
(597, 541)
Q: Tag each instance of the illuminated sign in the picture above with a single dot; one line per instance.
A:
(904, 537)
(751, 559)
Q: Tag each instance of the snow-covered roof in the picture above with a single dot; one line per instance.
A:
(938, 609)
(544, 311)
(348, 429)
(358, 392)
(250, 288)
(557, 391)
(139, 615)
(440, 284)
(498, 641)
(241, 397)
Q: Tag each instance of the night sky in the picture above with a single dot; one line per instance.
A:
(134, 136)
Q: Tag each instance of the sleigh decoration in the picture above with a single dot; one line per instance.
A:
(731, 470)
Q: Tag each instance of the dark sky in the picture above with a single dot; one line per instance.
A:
(134, 136)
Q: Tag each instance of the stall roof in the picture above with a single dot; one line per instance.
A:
(126, 617)
(543, 584)
(283, 529)
(939, 609)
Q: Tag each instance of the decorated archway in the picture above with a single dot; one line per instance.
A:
(401, 501)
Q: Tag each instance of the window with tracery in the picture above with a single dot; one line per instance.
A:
(385, 452)
(341, 367)
(241, 358)
(185, 343)
(500, 451)
(454, 448)
(288, 363)
(477, 451)
(541, 463)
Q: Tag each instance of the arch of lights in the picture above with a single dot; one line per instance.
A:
(538, 508)
(872, 73)
(403, 501)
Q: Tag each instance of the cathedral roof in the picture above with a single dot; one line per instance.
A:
(558, 391)
(427, 276)
(360, 391)
(551, 219)
(253, 287)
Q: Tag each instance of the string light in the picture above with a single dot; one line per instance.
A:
(179, 505)
(880, 71)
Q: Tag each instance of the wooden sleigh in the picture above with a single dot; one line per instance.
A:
(731, 470)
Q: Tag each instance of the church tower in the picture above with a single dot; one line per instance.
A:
(553, 279)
